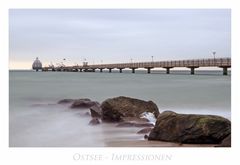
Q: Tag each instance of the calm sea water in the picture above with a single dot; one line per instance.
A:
(36, 120)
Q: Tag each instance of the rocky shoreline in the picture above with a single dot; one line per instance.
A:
(166, 126)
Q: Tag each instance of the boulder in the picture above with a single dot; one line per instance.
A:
(94, 121)
(115, 109)
(184, 128)
(145, 130)
(83, 103)
(96, 111)
(226, 142)
(65, 101)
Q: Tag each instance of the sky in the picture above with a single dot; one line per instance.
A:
(116, 35)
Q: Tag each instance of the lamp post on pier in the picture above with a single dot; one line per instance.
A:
(214, 55)
(152, 61)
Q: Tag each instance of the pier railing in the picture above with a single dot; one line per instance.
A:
(194, 63)
(218, 62)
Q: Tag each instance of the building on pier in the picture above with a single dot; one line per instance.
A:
(37, 65)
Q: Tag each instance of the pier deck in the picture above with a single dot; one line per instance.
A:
(223, 63)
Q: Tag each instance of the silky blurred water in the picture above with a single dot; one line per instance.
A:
(36, 120)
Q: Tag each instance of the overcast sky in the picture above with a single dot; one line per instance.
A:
(114, 36)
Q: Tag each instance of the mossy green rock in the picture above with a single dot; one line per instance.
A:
(116, 109)
(189, 128)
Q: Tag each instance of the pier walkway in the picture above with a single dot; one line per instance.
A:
(223, 63)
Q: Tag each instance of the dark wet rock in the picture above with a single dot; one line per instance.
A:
(83, 103)
(134, 124)
(96, 111)
(83, 99)
(115, 109)
(226, 142)
(145, 136)
(184, 128)
(145, 130)
(94, 121)
(65, 101)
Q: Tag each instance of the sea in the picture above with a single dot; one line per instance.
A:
(36, 120)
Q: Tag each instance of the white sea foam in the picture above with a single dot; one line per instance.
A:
(150, 116)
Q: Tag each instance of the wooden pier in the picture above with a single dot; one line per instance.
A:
(223, 63)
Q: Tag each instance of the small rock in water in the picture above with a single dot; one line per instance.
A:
(65, 101)
(96, 111)
(145, 136)
(94, 121)
(83, 103)
(145, 130)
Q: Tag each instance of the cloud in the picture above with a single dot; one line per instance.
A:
(116, 35)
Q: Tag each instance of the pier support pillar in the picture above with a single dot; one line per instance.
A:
(80, 70)
(225, 70)
(101, 69)
(168, 69)
(133, 70)
(110, 70)
(93, 70)
(149, 70)
(120, 70)
(193, 69)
